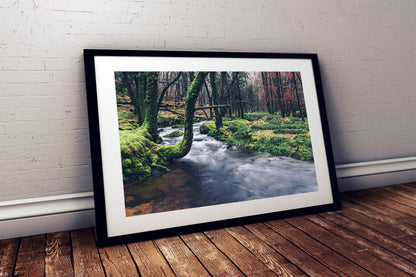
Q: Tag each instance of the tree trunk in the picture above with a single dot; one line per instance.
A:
(266, 91)
(240, 102)
(165, 89)
(297, 95)
(181, 149)
(279, 92)
(218, 117)
(232, 93)
(273, 104)
(141, 89)
(211, 113)
(151, 106)
(135, 91)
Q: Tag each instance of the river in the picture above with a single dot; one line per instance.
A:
(213, 174)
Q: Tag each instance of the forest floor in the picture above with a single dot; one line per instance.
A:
(264, 132)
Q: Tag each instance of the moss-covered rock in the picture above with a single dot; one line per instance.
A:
(174, 134)
(139, 156)
(206, 127)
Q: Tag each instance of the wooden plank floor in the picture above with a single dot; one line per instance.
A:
(372, 235)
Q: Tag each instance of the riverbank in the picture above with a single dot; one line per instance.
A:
(213, 173)
(264, 132)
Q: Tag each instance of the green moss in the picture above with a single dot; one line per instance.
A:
(151, 105)
(174, 134)
(138, 155)
(206, 127)
(264, 132)
(127, 120)
(181, 149)
(177, 126)
(169, 120)
(209, 128)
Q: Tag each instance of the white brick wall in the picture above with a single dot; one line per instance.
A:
(366, 49)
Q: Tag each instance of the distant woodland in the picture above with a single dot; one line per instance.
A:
(232, 93)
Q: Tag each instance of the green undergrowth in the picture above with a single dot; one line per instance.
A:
(139, 155)
(279, 136)
(127, 120)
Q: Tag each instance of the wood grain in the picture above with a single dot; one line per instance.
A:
(400, 210)
(365, 245)
(31, 257)
(85, 254)
(379, 238)
(380, 226)
(349, 250)
(265, 253)
(117, 261)
(149, 260)
(380, 215)
(324, 254)
(8, 254)
(397, 196)
(373, 234)
(182, 261)
(295, 255)
(377, 205)
(238, 254)
(213, 260)
(58, 255)
(403, 190)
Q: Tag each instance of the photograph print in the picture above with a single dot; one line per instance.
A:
(185, 141)
(192, 139)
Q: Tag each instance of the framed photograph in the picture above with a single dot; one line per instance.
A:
(189, 141)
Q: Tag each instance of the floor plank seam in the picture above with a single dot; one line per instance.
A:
(370, 242)
(374, 233)
(223, 253)
(328, 247)
(269, 225)
(16, 255)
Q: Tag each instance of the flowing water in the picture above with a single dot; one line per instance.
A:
(213, 174)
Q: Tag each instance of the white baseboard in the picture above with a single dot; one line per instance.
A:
(25, 217)
(376, 180)
(41, 215)
(364, 175)
(43, 206)
(375, 167)
(46, 224)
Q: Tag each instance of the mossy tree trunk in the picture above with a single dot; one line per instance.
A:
(141, 88)
(222, 93)
(218, 117)
(181, 149)
(151, 106)
(135, 85)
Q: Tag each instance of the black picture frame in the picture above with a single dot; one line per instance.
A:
(112, 223)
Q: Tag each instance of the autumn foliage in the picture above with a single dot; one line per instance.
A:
(283, 92)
